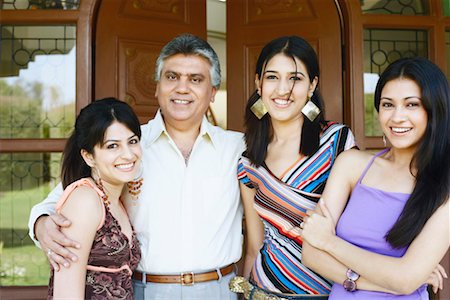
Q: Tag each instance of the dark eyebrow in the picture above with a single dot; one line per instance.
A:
(406, 98)
(196, 75)
(409, 97)
(293, 73)
(115, 141)
(170, 71)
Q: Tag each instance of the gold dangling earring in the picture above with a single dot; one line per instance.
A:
(134, 186)
(99, 184)
(310, 110)
(384, 141)
(259, 109)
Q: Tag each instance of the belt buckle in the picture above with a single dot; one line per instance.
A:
(187, 278)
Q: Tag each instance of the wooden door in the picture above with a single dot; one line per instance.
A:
(253, 23)
(129, 37)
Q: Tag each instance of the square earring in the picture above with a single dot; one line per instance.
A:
(310, 110)
(259, 109)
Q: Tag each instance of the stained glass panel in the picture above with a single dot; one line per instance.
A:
(382, 47)
(25, 179)
(446, 7)
(37, 81)
(395, 7)
(39, 4)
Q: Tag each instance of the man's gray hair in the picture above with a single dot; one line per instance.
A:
(189, 44)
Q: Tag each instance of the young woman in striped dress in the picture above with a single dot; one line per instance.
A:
(290, 151)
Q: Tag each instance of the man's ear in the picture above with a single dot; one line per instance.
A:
(156, 90)
(88, 158)
(213, 94)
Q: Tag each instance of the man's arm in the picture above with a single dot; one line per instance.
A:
(45, 230)
(44, 208)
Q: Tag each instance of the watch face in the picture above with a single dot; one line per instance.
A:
(352, 275)
(349, 285)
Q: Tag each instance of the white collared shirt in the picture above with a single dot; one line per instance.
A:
(187, 217)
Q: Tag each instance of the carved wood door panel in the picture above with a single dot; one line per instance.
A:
(253, 23)
(129, 37)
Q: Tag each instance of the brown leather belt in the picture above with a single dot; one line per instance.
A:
(186, 278)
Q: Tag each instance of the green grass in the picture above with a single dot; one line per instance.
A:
(21, 263)
(15, 206)
(25, 265)
(371, 124)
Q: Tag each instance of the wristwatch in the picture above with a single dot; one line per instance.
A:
(350, 283)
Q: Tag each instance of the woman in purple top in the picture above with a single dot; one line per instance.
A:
(383, 220)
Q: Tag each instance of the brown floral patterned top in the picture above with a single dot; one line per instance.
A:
(111, 260)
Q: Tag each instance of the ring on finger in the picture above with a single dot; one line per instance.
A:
(49, 252)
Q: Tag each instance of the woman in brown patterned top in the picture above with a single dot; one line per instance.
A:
(102, 154)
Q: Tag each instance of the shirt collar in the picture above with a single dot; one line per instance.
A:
(157, 129)
(207, 130)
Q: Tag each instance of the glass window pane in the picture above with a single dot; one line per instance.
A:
(446, 6)
(25, 179)
(37, 81)
(40, 4)
(447, 52)
(381, 47)
(394, 7)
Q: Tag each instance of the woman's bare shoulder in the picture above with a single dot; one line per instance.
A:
(82, 200)
(354, 157)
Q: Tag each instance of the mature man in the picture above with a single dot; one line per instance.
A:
(188, 214)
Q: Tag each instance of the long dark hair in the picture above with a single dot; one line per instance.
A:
(258, 132)
(431, 158)
(89, 131)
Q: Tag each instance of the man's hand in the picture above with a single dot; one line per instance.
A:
(53, 242)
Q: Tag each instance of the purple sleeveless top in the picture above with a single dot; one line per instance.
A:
(368, 217)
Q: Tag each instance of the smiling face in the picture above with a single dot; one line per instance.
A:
(285, 87)
(185, 91)
(402, 116)
(117, 160)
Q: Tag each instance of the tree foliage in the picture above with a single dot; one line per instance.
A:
(22, 115)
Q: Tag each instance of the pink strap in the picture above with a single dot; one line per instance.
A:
(70, 188)
(109, 270)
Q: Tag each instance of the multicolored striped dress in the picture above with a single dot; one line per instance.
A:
(282, 203)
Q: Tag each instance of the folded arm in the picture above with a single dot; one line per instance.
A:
(329, 267)
(338, 189)
(400, 275)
